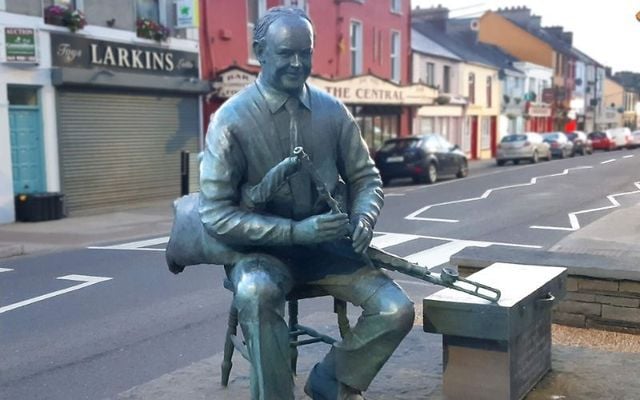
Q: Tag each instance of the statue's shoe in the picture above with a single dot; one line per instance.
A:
(322, 385)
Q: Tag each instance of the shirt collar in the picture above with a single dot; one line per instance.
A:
(275, 99)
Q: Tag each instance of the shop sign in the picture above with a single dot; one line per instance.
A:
(372, 90)
(609, 117)
(539, 110)
(360, 90)
(186, 13)
(232, 81)
(20, 45)
(79, 52)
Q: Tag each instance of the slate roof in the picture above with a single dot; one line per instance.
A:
(462, 41)
(423, 44)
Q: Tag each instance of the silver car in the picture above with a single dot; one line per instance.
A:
(525, 146)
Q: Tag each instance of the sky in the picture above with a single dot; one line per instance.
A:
(606, 30)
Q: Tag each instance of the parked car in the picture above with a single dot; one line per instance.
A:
(560, 145)
(526, 146)
(602, 141)
(621, 137)
(581, 143)
(635, 139)
(424, 158)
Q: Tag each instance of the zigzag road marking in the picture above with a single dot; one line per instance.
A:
(608, 161)
(5, 269)
(414, 215)
(139, 245)
(573, 219)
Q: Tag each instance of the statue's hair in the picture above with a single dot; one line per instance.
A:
(272, 15)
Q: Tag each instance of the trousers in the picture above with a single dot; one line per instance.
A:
(262, 281)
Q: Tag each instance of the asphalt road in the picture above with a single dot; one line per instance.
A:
(139, 321)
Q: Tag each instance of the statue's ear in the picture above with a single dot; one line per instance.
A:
(258, 50)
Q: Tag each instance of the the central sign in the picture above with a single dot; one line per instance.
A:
(79, 52)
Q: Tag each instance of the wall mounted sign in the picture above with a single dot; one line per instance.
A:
(79, 52)
(365, 89)
(186, 13)
(20, 45)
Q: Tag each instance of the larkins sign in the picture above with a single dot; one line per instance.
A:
(78, 52)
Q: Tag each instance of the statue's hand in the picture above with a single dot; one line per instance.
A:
(320, 228)
(362, 235)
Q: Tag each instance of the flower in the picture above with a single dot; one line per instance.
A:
(64, 16)
(150, 29)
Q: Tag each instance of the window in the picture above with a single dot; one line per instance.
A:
(148, 9)
(22, 96)
(303, 4)
(489, 90)
(395, 56)
(430, 79)
(485, 133)
(255, 10)
(356, 47)
(446, 79)
(75, 4)
(396, 6)
(472, 88)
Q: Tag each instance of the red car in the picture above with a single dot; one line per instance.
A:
(602, 141)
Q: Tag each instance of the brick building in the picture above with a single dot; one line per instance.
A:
(361, 56)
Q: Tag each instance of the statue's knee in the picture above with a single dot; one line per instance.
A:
(398, 310)
(258, 289)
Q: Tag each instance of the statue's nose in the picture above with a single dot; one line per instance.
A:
(295, 60)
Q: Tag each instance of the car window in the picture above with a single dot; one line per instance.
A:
(444, 143)
(514, 138)
(400, 144)
(551, 136)
(432, 142)
(572, 136)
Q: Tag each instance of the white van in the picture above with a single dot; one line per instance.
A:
(621, 137)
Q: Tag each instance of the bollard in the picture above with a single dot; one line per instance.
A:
(184, 173)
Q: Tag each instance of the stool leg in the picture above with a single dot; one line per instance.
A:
(293, 322)
(232, 325)
(340, 308)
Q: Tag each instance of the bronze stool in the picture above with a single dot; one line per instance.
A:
(232, 341)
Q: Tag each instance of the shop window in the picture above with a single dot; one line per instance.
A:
(377, 124)
(255, 10)
(303, 4)
(472, 88)
(355, 36)
(446, 79)
(395, 56)
(431, 71)
(485, 133)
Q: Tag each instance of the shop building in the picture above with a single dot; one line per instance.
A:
(99, 115)
(361, 56)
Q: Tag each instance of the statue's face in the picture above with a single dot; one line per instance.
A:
(286, 54)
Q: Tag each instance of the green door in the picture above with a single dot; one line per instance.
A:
(27, 150)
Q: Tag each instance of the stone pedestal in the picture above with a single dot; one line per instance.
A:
(496, 351)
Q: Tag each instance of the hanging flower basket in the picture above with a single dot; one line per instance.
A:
(64, 16)
(149, 29)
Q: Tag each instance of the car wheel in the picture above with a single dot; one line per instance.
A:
(516, 162)
(432, 173)
(500, 163)
(562, 155)
(464, 169)
(534, 157)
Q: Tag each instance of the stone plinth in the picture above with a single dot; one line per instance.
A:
(496, 351)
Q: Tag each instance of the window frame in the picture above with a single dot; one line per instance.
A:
(262, 9)
(356, 54)
(489, 90)
(395, 7)
(471, 87)
(446, 79)
(395, 59)
(431, 74)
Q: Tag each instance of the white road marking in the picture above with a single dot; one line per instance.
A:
(88, 281)
(573, 219)
(139, 245)
(608, 161)
(5, 269)
(440, 254)
(447, 239)
(391, 239)
(628, 156)
(394, 194)
(414, 215)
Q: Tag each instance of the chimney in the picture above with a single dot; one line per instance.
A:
(520, 14)
(534, 22)
(556, 31)
(567, 37)
(437, 16)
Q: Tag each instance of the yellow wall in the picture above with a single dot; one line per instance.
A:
(481, 73)
(498, 30)
(613, 93)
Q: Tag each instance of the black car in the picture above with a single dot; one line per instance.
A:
(423, 158)
(581, 143)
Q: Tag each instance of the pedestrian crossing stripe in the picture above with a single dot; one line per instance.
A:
(429, 257)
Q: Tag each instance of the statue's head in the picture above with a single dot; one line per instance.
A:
(283, 44)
